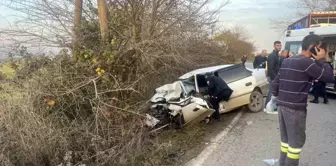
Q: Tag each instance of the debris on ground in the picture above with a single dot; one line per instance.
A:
(271, 162)
(271, 105)
(151, 121)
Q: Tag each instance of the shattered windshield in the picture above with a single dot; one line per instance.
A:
(189, 86)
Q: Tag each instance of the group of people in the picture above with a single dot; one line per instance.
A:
(261, 59)
(272, 64)
(290, 79)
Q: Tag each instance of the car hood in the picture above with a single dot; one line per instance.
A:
(168, 91)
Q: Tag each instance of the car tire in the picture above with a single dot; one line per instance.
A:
(256, 102)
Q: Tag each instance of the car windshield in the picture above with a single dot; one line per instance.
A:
(189, 86)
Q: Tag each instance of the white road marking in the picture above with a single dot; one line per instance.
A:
(201, 158)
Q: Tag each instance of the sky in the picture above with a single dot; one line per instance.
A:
(4, 22)
(4, 12)
(253, 15)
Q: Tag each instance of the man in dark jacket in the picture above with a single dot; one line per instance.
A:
(291, 87)
(273, 65)
(319, 88)
(283, 56)
(218, 91)
(260, 60)
(243, 59)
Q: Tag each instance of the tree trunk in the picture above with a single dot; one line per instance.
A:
(77, 19)
(77, 26)
(102, 14)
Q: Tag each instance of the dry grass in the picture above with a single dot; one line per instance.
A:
(84, 120)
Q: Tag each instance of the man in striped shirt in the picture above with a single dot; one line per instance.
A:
(291, 87)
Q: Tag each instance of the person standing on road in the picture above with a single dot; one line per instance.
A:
(272, 69)
(260, 60)
(243, 59)
(291, 87)
(218, 91)
(319, 88)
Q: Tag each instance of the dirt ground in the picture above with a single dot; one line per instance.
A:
(190, 141)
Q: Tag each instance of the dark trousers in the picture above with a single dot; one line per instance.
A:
(319, 88)
(293, 134)
(269, 94)
(224, 95)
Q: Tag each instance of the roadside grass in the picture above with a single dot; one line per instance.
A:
(8, 92)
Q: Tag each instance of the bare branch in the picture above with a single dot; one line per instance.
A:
(302, 8)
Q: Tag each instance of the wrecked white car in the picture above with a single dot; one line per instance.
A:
(185, 100)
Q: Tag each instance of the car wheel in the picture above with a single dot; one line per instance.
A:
(256, 102)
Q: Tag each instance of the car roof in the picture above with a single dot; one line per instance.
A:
(203, 71)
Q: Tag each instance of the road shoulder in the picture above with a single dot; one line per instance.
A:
(213, 143)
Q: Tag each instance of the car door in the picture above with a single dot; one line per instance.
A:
(241, 81)
(198, 108)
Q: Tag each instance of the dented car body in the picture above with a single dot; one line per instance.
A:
(185, 100)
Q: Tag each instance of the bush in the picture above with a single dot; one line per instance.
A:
(88, 116)
(89, 109)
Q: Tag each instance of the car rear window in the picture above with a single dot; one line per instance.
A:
(233, 73)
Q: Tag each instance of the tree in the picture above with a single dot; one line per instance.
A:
(140, 36)
(235, 43)
(31, 27)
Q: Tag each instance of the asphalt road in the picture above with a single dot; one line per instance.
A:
(249, 65)
(256, 137)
